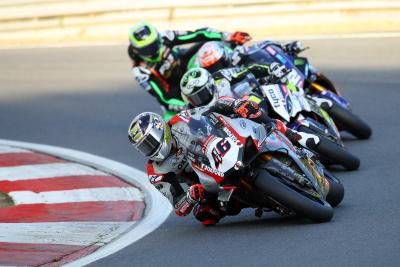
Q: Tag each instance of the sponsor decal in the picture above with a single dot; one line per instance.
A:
(274, 97)
(182, 163)
(219, 151)
(211, 170)
(289, 105)
(155, 179)
(184, 115)
(242, 124)
(206, 143)
(191, 156)
(281, 59)
(270, 50)
(284, 90)
(232, 136)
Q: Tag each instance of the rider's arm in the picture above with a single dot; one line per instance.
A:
(246, 107)
(172, 38)
(168, 185)
(157, 87)
(234, 75)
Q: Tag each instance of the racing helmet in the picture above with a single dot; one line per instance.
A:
(146, 42)
(214, 56)
(151, 136)
(197, 87)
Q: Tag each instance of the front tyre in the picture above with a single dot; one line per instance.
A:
(336, 189)
(332, 152)
(350, 122)
(292, 199)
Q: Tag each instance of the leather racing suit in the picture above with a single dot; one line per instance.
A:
(167, 175)
(161, 79)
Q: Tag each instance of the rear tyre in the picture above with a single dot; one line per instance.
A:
(336, 189)
(350, 122)
(332, 152)
(293, 200)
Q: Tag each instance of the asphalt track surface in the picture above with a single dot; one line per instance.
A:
(84, 98)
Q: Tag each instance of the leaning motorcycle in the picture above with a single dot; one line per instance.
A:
(315, 84)
(238, 158)
(293, 108)
(304, 115)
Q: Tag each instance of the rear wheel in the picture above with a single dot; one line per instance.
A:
(319, 211)
(332, 152)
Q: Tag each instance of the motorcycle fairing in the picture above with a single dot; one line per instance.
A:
(335, 98)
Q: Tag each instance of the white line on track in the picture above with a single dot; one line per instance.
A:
(49, 170)
(9, 149)
(63, 233)
(78, 195)
(157, 208)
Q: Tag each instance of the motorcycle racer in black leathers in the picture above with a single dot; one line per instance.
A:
(158, 64)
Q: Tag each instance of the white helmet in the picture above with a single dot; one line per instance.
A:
(197, 87)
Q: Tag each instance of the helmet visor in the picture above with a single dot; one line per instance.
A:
(202, 97)
(151, 50)
(148, 146)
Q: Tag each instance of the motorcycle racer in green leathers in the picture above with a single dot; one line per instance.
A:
(158, 64)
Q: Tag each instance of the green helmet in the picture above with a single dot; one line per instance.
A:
(146, 42)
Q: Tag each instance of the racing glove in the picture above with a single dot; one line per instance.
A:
(185, 205)
(239, 37)
(195, 193)
(247, 109)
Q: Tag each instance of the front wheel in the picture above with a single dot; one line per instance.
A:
(333, 153)
(319, 211)
(336, 189)
(350, 122)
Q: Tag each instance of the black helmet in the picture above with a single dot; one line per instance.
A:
(197, 87)
(151, 136)
(146, 42)
(214, 56)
